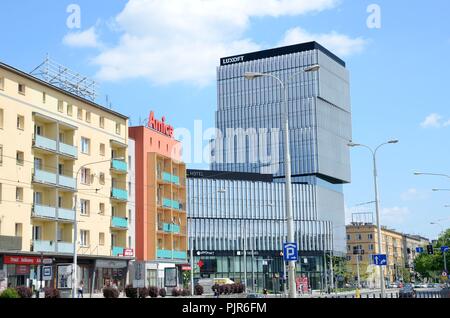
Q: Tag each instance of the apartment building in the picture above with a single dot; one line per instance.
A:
(364, 237)
(160, 196)
(57, 148)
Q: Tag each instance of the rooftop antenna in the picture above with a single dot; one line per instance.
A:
(64, 78)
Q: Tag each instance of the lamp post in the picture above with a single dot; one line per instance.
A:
(287, 164)
(377, 201)
(75, 226)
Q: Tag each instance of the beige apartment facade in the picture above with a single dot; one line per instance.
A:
(364, 236)
(48, 138)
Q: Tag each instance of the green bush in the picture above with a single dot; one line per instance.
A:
(9, 293)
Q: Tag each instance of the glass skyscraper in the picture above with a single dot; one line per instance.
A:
(249, 146)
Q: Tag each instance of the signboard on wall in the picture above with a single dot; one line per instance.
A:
(64, 277)
(170, 277)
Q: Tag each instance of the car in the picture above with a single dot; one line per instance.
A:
(429, 285)
(255, 296)
(407, 291)
(393, 285)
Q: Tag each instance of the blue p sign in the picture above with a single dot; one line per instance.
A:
(290, 252)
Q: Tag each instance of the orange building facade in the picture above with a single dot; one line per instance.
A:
(160, 194)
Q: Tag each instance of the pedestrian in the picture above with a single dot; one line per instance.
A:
(80, 289)
(265, 292)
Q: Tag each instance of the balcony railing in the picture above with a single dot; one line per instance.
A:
(44, 143)
(67, 182)
(172, 204)
(44, 211)
(119, 165)
(119, 222)
(167, 177)
(119, 194)
(117, 250)
(69, 150)
(44, 246)
(44, 177)
(170, 254)
(65, 247)
(66, 214)
(171, 228)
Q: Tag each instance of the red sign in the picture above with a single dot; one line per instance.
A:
(302, 284)
(160, 126)
(129, 252)
(23, 260)
(200, 263)
(185, 268)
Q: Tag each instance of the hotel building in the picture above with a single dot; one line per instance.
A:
(48, 138)
(160, 196)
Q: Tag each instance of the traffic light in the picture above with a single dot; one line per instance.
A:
(430, 249)
(408, 250)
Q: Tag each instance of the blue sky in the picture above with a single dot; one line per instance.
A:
(167, 51)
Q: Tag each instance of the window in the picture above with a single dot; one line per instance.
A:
(84, 207)
(102, 149)
(86, 176)
(101, 208)
(85, 146)
(21, 89)
(348, 248)
(1, 155)
(0, 193)
(151, 141)
(349, 258)
(44, 97)
(101, 239)
(19, 194)
(117, 128)
(159, 144)
(84, 238)
(129, 188)
(18, 228)
(102, 178)
(19, 158)
(2, 83)
(69, 110)
(102, 122)
(88, 117)
(370, 236)
(1, 118)
(359, 237)
(370, 247)
(80, 113)
(60, 106)
(20, 122)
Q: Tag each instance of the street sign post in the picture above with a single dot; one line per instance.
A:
(47, 273)
(290, 252)
(379, 259)
(444, 249)
(419, 249)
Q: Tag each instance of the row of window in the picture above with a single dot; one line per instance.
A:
(359, 237)
(68, 109)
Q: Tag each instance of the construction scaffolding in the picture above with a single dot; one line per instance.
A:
(66, 79)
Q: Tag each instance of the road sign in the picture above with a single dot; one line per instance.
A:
(380, 259)
(290, 252)
(47, 261)
(444, 249)
(200, 263)
(47, 273)
(444, 275)
(139, 275)
(419, 249)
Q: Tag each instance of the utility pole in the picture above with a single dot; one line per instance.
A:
(357, 268)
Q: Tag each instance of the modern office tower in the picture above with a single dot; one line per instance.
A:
(47, 136)
(160, 196)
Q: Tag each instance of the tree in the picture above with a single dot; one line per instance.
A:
(186, 278)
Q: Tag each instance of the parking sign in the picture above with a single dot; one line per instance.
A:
(290, 252)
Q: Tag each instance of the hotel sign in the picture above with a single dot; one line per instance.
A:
(160, 125)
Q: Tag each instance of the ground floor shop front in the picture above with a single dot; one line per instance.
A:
(265, 269)
(36, 271)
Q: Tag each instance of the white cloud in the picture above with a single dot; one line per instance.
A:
(394, 216)
(413, 194)
(341, 44)
(432, 121)
(82, 39)
(182, 40)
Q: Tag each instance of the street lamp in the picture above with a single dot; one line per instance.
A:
(377, 201)
(287, 163)
(75, 227)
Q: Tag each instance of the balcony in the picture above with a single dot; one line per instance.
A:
(46, 212)
(65, 247)
(68, 150)
(118, 222)
(167, 177)
(119, 194)
(171, 228)
(65, 214)
(119, 166)
(44, 143)
(175, 180)
(117, 251)
(44, 246)
(171, 204)
(67, 182)
(169, 254)
(45, 177)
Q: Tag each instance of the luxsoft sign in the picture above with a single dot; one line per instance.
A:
(235, 59)
(160, 125)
